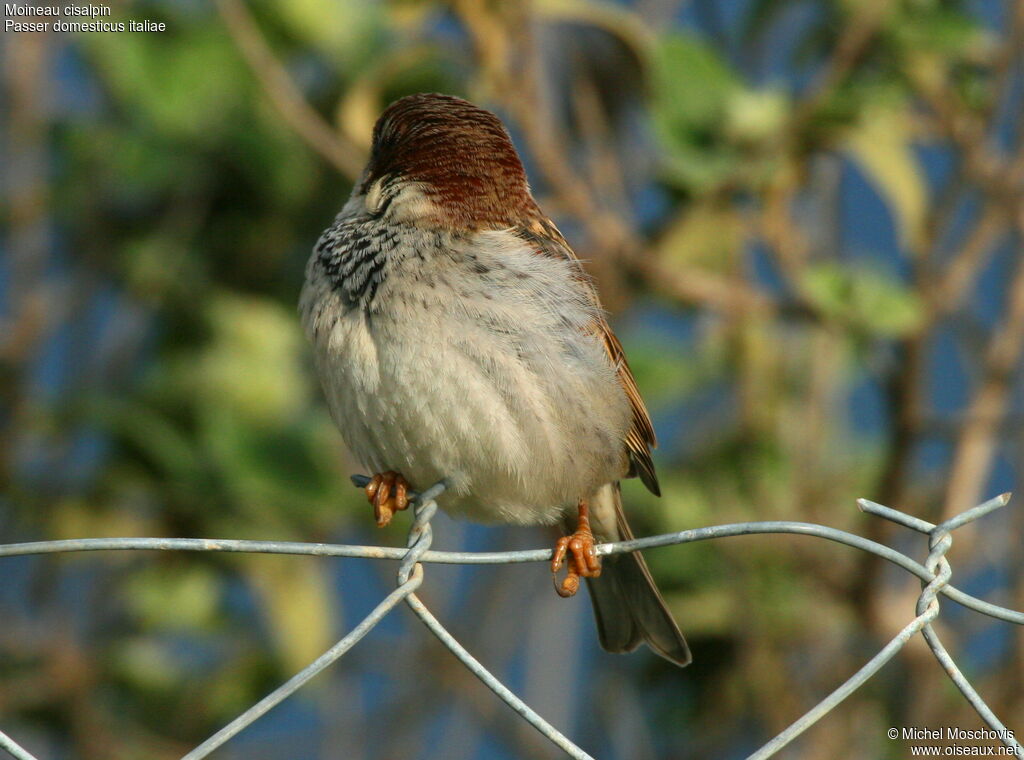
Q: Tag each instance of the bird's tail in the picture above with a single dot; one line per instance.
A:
(628, 607)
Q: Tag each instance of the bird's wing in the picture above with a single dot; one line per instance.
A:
(542, 234)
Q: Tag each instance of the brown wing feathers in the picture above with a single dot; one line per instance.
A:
(641, 438)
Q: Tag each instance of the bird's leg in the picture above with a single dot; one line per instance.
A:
(386, 491)
(583, 559)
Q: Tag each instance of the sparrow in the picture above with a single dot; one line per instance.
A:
(457, 336)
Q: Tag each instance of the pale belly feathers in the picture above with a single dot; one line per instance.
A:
(475, 364)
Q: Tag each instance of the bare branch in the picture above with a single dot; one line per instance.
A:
(285, 95)
(979, 439)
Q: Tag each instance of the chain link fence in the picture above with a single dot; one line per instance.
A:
(935, 575)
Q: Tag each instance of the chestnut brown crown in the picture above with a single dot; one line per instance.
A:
(460, 157)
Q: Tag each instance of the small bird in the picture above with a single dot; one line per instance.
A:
(457, 336)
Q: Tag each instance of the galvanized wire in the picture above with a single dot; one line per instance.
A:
(927, 611)
(934, 573)
(507, 558)
(13, 748)
(300, 679)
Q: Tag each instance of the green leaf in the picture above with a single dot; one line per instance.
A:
(693, 86)
(713, 127)
(299, 604)
(185, 85)
(693, 81)
(757, 116)
(174, 598)
(706, 235)
(253, 365)
(940, 30)
(349, 31)
(148, 664)
(863, 297)
(882, 145)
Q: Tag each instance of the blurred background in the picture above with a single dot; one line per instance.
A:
(805, 218)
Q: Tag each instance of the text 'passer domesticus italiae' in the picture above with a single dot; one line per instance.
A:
(457, 337)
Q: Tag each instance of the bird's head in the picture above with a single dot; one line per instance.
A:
(440, 160)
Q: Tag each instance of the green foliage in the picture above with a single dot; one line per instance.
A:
(184, 87)
(185, 205)
(349, 32)
(172, 597)
(932, 27)
(692, 86)
(863, 298)
(883, 144)
(708, 235)
(715, 130)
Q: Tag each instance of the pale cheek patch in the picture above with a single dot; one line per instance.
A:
(411, 204)
(374, 196)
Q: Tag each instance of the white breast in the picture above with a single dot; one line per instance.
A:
(474, 363)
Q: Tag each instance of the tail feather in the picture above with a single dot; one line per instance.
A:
(629, 610)
(628, 607)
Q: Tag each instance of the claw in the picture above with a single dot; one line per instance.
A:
(580, 549)
(388, 493)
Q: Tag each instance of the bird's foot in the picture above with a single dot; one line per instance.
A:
(580, 550)
(387, 492)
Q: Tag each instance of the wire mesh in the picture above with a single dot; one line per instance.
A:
(935, 574)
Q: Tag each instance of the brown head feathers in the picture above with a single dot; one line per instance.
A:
(459, 156)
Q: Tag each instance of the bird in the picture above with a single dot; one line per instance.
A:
(457, 336)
